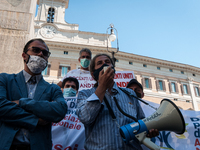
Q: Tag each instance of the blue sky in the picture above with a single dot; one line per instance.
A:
(163, 29)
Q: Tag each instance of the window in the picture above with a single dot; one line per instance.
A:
(63, 70)
(160, 85)
(146, 82)
(117, 60)
(197, 92)
(187, 101)
(182, 72)
(175, 99)
(170, 70)
(173, 87)
(66, 52)
(193, 74)
(144, 65)
(185, 90)
(158, 68)
(46, 70)
(130, 63)
(50, 17)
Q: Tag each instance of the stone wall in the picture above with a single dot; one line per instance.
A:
(16, 17)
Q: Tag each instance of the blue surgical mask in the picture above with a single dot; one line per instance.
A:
(85, 62)
(69, 92)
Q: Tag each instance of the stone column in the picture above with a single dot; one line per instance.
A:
(194, 102)
(16, 28)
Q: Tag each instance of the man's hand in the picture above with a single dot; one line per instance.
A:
(16, 101)
(42, 122)
(106, 81)
(153, 133)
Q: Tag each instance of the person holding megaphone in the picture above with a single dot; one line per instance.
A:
(101, 109)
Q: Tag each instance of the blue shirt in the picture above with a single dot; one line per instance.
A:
(101, 131)
(22, 136)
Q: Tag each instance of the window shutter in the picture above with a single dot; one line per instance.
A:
(164, 88)
(182, 89)
(170, 87)
(188, 88)
(143, 82)
(157, 85)
(150, 85)
(195, 91)
(48, 69)
(176, 87)
(59, 71)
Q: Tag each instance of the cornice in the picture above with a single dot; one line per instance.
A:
(126, 56)
(157, 62)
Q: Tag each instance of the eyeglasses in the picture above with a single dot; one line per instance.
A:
(37, 50)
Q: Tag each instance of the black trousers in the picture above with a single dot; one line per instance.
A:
(20, 147)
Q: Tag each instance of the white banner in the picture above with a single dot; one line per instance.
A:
(121, 78)
(68, 134)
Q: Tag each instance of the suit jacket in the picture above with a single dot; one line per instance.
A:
(47, 104)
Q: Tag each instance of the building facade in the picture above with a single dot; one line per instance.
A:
(161, 79)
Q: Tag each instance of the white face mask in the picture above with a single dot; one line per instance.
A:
(36, 64)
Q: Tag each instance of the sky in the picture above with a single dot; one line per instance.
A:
(163, 29)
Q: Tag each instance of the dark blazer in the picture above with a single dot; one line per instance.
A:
(47, 104)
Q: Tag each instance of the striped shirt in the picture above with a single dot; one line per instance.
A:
(101, 131)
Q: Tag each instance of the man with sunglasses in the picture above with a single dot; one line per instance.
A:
(28, 104)
(84, 60)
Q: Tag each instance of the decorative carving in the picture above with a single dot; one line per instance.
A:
(190, 79)
(14, 3)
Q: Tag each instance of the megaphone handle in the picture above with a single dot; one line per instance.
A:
(148, 143)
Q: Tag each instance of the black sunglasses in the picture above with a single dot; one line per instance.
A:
(37, 50)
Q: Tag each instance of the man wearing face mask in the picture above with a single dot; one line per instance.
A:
(73, 137)
(28, 104)
(70, 87)
(101, 130)
(84, 60)
(136, 87)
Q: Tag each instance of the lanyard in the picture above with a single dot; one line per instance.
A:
(112, 113)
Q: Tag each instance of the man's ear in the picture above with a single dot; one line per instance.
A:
(79, 60)
(24, 55)
(92, 75)
(142, 95)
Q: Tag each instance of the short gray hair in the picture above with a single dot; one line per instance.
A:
(85, 50)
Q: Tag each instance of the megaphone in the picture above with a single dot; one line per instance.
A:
(167, 118)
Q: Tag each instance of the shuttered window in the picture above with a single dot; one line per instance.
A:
(146, 82)
(46, 71)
